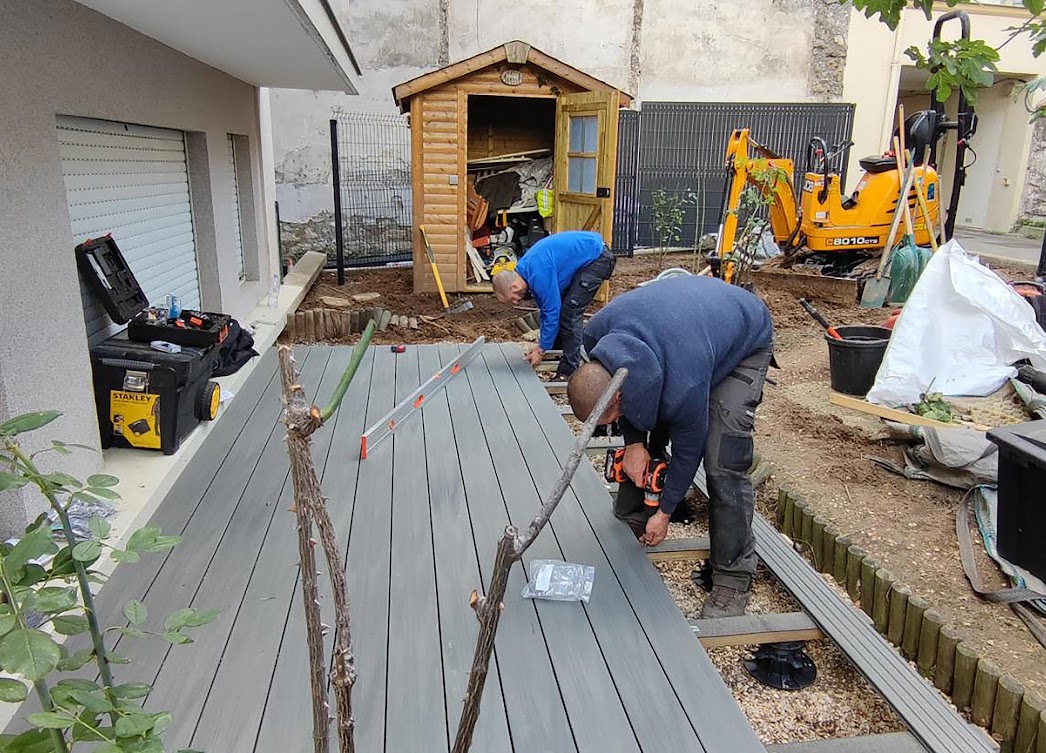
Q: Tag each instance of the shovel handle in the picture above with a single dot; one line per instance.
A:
(819, 318)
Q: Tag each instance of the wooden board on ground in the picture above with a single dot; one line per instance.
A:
(897, 416)
(839, 290)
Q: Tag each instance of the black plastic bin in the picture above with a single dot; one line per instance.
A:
(1022, 479)
(854, 361)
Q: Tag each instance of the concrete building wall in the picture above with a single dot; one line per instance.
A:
(697, 50)
(58, 57)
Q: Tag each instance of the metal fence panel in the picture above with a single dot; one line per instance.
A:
(626, 186)
(681, 147)
(373, 181)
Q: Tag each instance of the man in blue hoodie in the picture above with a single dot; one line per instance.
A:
(563, 273)
(697, 351)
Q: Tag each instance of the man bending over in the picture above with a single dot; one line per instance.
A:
(563, 272)
(697, 351)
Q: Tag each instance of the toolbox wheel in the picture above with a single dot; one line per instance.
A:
(207, 402)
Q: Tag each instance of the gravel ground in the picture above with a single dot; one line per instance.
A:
(840, 703)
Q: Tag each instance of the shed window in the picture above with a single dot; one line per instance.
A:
(581, 154)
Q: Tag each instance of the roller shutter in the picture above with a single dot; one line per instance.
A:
(131, 181)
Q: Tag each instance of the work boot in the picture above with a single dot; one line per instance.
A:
(725, 601)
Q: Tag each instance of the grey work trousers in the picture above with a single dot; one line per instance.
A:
(729, 450)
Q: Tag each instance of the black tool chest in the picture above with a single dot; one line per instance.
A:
(148, 397)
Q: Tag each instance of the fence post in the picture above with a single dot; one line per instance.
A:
(339, 239)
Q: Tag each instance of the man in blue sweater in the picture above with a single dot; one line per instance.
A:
(697, 351)
(563, 273)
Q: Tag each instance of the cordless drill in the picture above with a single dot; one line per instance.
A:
(656, 471)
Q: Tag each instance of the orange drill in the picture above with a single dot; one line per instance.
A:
(654, 481)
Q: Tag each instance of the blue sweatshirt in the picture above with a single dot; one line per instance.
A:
(548, 268)
(678, 338)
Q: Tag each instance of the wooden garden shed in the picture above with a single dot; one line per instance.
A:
(512, 108)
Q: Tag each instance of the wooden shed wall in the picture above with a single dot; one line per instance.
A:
(439, 141)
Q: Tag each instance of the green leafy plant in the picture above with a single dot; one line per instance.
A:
(764, 181)
(45, 581)
(964, 64)
(668, 221)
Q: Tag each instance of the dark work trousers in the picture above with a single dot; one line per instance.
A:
(582, 290)
(728, 458)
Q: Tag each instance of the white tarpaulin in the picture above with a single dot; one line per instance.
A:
(959, 334)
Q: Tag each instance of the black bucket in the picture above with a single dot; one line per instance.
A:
(854, 361)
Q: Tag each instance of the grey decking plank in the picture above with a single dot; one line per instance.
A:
(182, 573)
(891, 742)
(225, 584)
(132, 581)
(934, 722)
(368, 566)
(415, 711)
(249, 409)
(234, 702)
(536, 715)
(597, 719)
(288, 709)
(717, 719)
(457, 570)
(633, 664)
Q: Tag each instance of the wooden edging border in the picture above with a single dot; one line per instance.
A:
(1015, 718)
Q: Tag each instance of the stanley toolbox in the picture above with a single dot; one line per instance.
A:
(151, 382)
(151, 399)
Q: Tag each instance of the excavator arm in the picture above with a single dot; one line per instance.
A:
(742, 171)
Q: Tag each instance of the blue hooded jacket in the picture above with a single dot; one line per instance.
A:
(548, 268)
(678, 338)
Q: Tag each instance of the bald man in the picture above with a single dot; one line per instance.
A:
(697, 351)
(562, 272)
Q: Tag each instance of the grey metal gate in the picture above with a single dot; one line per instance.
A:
(626, 185)
(370, 155)
(680, 149)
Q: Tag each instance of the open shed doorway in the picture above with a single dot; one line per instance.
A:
(509, 159)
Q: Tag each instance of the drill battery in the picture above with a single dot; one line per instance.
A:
(654, 479)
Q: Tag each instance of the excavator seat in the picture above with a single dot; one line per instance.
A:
(878, 164)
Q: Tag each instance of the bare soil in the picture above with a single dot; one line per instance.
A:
(818, 449)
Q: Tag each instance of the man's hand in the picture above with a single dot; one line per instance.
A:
(656, 529)
(636, 462)
(534, 356)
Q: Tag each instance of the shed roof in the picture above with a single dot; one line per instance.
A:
(515, 53)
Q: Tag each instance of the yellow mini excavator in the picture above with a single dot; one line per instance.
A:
(823, 221)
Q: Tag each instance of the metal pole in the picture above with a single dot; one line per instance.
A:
(1040, 272)
(339, 240)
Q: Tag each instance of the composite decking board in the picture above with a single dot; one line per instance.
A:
(935, 723)
(534, 707)
(628, 653)
(126, 583)
(216, 578)
(185, 569)
(415, 710)
(457, 567)
(597, 718)
(368, 565)
(259, 523)
(717, 719)
(289, 696)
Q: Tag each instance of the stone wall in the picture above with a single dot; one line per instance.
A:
(1033, 200)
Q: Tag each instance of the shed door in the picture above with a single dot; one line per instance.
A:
(586, 160)
(131, 181)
